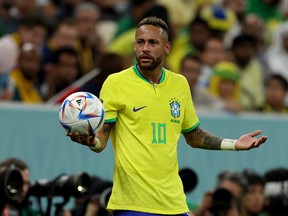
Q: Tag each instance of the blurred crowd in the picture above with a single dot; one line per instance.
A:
(234, 53)
(236, 193)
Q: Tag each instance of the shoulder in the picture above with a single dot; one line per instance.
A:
(175, 76)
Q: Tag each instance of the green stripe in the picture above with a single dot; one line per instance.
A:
(110, 120)
(138, 73)
(162, 78)
(191, 129)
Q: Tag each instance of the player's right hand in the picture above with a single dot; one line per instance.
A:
(82, 139)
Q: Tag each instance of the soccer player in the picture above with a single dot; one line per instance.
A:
(147, 108)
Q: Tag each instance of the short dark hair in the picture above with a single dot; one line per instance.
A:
(189, 56)
(65, 50)
(253, 178)
(280, 78)
(243, 39)
(18, 163)
(36, 20)
(236, 177)
(155, 21)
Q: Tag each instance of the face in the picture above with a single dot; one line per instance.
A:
(275, 93)
(67, 68)
(254, 26)
(150, 46)
(234, 188)
(29, 63)
(86, 22)
(66, 36)
(226, 88)
(35, 35)
(244, 53)
(213, 52)
(26, 184)
(253, 201)
(191, 69)
(199, 35)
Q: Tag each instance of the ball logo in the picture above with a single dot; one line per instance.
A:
(175, 108)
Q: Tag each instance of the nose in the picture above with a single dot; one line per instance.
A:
(145, 47)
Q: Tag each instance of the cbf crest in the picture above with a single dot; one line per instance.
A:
(175, 107)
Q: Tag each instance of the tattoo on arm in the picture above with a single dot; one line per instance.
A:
(106, 129)
(104, 133)
(199, 138)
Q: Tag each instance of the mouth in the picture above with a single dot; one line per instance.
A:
(145, 58)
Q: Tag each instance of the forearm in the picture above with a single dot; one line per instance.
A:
(199, 138)
(101, 138)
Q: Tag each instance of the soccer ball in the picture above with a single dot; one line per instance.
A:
(82, 112)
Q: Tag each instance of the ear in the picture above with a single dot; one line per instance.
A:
(167, 47)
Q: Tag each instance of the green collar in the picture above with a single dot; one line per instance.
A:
(143, 78)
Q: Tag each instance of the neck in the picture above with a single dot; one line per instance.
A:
(153, 76)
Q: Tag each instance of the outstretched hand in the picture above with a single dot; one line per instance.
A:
(82, 139)
(249, 141)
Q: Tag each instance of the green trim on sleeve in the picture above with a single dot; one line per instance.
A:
(110, 120)
(191, 129)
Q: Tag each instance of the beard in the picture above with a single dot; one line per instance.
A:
(154, 62)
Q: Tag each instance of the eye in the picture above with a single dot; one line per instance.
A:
(139, 42)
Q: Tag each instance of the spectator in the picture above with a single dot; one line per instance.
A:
(226, 198)
(244, 50)
(202, 99)
(212, 53)
(252, 25)
(253, 200)
(63, 72)
(275, 94)
(31, 30)
(277, 53)
(188, 42)
(224, 84)
(268, 10)
(65, 34)
(26, 75)
(86, 16)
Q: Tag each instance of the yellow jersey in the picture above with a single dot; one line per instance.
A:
(149, 119)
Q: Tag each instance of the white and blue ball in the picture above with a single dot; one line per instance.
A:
(82, 112)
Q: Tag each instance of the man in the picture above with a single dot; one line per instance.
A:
(63, 71)
(226, 198)
(21, 206)
(25, 77)
(32, 29)
(253, 201)
(147, 108)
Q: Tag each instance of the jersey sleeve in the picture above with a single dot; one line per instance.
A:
(110, 97)
(190, 121)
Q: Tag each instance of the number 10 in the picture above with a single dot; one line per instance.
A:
(159, 133)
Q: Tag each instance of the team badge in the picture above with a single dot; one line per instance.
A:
(175, 108)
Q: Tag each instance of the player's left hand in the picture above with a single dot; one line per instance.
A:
(249, 141)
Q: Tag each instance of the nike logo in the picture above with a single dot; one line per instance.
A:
(137, 109)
